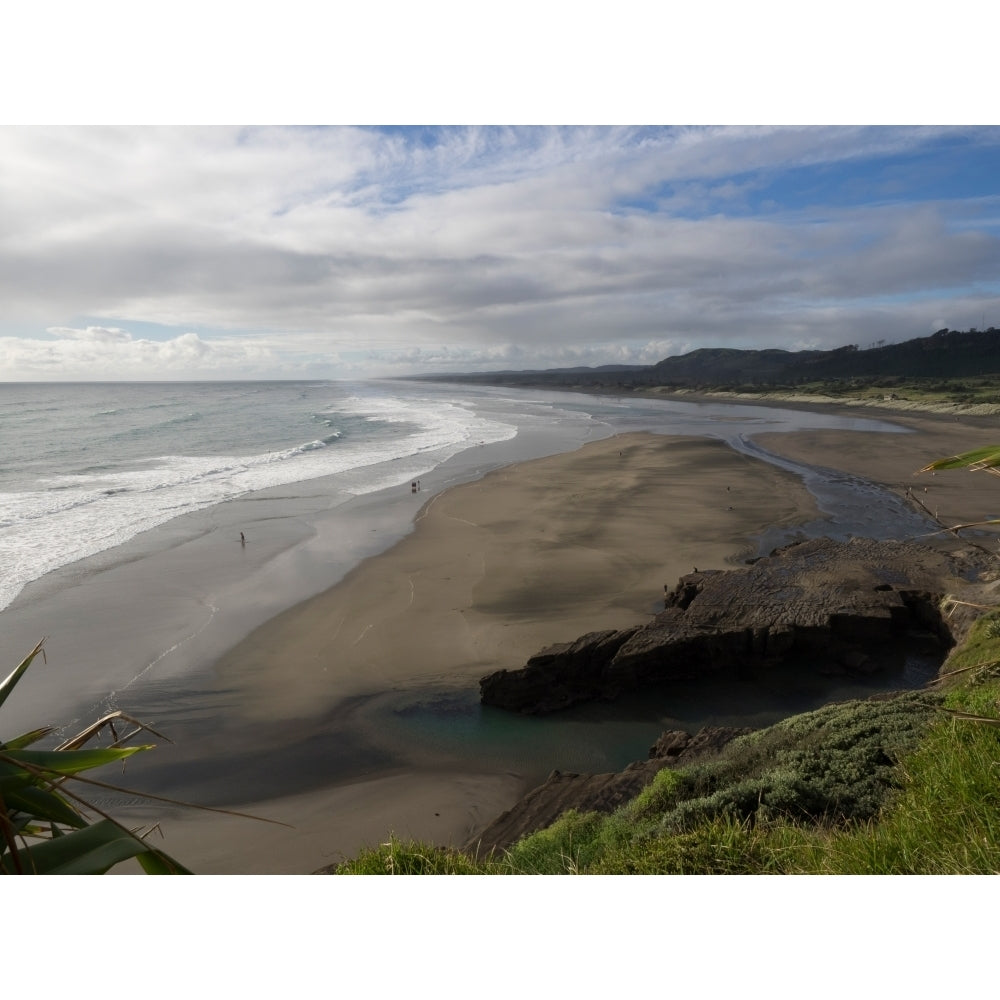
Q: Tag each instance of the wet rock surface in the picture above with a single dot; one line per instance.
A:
(827, 606)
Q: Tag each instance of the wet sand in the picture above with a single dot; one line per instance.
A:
(893, 460)
(531, 554)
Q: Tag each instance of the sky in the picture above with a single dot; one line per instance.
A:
(140, 252)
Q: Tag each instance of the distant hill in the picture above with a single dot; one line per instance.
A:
(945, 354)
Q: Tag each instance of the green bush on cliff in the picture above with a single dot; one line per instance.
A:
(721, 846)
(569, 846)
(945, 821)
(399, 857)
(836, 763)
(659, 796)
(940, 803)
(939, 813)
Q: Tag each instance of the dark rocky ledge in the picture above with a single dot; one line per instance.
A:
(832, 607)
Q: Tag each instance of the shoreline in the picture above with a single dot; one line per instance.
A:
(167, 603)
(607, 573)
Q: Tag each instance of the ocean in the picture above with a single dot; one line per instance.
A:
(87, 467)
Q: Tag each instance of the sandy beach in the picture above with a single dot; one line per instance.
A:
(531, 554)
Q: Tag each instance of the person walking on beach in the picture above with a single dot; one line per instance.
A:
(243, 540)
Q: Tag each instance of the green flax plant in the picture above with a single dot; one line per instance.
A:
(985, 459)
(46, 826)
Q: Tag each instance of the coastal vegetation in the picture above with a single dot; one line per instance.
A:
(979, 394)
(47, 825)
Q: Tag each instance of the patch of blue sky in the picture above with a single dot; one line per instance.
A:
(380, 190)
(477, 155)
(144, 330)
(967, 294)
(948, 168)
(427, 136)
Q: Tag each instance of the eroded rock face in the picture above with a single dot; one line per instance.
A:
(558, 676)
(833, 607)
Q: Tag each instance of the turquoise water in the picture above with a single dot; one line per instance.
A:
(602, 737)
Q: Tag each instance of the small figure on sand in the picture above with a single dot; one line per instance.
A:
(243, 539)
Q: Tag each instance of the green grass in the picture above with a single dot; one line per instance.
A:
(396, 857)
(965, 391)
(930, 392)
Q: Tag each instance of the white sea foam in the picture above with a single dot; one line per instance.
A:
(85, 468)
(52, 517)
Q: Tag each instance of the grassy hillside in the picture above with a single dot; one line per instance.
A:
(901, 785)
(979, 394)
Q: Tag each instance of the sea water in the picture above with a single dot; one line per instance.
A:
(86, 467)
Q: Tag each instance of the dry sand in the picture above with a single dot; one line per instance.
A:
(536, 553)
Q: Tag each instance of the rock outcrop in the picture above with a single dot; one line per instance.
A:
(827, 606)
(603, 793)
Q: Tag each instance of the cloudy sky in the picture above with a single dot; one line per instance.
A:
(216, 252)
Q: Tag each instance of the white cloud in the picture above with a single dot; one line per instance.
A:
(114, 355)
(95, 334)
(298, 251)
